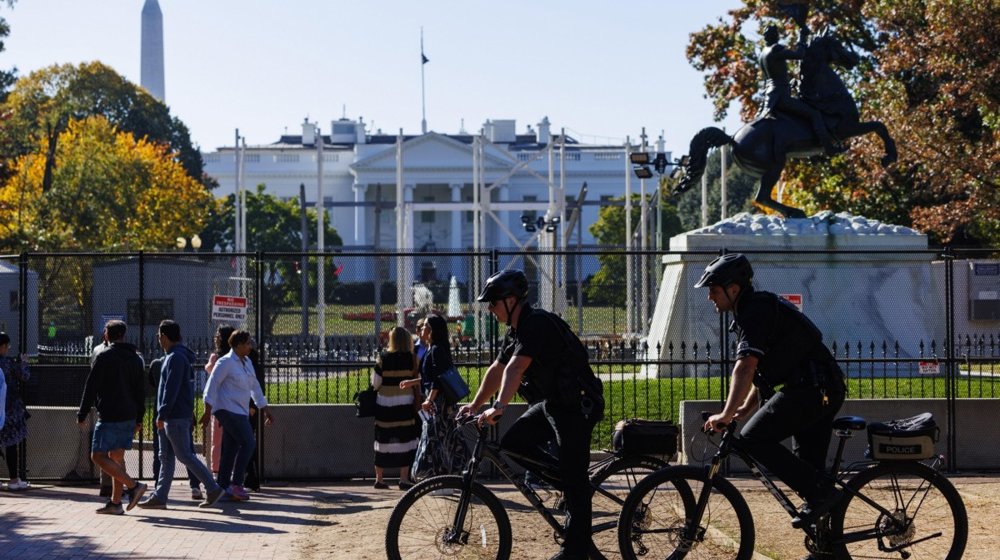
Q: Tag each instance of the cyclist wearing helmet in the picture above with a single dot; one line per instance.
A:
(540, 349)
(780, 356)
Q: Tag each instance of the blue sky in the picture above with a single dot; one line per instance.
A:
(601, 70)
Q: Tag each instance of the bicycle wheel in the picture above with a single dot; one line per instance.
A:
(926, 519)
(612, 485)
(422, 523)
(655, 518)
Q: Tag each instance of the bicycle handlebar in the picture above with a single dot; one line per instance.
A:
(731, 427)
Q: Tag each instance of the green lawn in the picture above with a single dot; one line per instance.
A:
(597, 320)
(653, 399)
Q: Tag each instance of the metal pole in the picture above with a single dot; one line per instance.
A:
(644, 246)
(320, 245)
(236, 191)
(704, 200)
(423, 96)
(629, 259)
(724, 201)
(400, 243)
(303, 261)
(378, 260)
(561, 205)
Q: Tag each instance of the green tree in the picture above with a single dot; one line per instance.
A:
(108, 192)
(606, 285)
(929, 71)
(273, 225)
(740, 188)
(41, 105)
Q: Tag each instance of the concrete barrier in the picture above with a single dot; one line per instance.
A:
(326, 441)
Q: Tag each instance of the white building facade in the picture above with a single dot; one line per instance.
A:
(450, 183)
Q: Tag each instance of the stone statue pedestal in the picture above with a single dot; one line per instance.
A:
(860, 281)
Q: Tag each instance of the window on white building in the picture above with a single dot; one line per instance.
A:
(426, 216)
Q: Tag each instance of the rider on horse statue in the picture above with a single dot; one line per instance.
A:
(778, 87)
(791, 127)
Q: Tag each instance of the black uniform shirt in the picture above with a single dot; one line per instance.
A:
(783, 340)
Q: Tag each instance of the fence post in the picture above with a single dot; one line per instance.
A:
(22, 345)
(142, 351)
(258, 287)
(951, 382)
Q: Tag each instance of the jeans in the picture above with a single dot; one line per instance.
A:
(541, 423)
(175, 442)
(192, 479)
(238, 444)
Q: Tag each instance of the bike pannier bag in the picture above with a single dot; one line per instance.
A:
(364, 402)
(452, 386)
(904, 439)
(635, 436)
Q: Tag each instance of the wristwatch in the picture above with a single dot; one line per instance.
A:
(499, 406)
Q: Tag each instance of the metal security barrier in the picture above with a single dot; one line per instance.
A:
(323, 353)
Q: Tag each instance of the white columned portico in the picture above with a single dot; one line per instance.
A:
(455, 238)
(360, 214)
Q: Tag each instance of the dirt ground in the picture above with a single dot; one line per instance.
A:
(354, 522)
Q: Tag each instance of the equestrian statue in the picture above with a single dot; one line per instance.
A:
(812, 124)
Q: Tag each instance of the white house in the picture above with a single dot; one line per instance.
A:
(450, 183)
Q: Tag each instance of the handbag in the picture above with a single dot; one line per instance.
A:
(452, 386)
(364, 402)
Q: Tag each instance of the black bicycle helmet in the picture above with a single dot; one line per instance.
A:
(731, 268)
(503, 284)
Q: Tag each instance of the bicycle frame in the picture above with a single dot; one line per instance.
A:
(726, 448)
(548, 471)
(493, 453)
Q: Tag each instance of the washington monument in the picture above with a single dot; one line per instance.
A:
(151, 71)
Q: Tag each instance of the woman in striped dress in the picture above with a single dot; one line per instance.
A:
(396, 427)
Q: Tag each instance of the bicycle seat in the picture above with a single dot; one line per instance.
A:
(855, 423)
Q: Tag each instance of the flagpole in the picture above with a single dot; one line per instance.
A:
(423, 95)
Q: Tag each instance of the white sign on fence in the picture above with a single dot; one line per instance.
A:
(229, 308)
(929, 368)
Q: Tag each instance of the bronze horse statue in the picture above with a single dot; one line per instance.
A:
(762, 146)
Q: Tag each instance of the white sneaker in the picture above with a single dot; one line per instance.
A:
(19, 485)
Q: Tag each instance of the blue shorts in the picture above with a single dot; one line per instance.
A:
(113, 435)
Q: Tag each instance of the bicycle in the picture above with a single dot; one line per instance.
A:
(457, 516)
(888, 509)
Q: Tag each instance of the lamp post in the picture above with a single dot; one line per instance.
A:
(644, 165)
(549, 224)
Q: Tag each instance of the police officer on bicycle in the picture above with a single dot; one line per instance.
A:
(780, 360)
(541, 355)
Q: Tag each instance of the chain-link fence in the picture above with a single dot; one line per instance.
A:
(320, 321)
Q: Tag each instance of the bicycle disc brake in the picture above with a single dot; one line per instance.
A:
(898, 529)
(450, 541)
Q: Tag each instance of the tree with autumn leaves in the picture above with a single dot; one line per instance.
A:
(93, 162)
(930, 71)
(106, 191)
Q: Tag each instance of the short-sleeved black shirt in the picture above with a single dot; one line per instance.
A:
(543, 338)
(782, 338)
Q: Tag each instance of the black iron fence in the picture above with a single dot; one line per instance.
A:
(315, 354)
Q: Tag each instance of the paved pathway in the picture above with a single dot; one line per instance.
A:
(58, 522)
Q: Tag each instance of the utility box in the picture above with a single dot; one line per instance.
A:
(984, 290)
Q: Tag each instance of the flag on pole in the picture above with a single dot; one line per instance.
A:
(423, 59)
